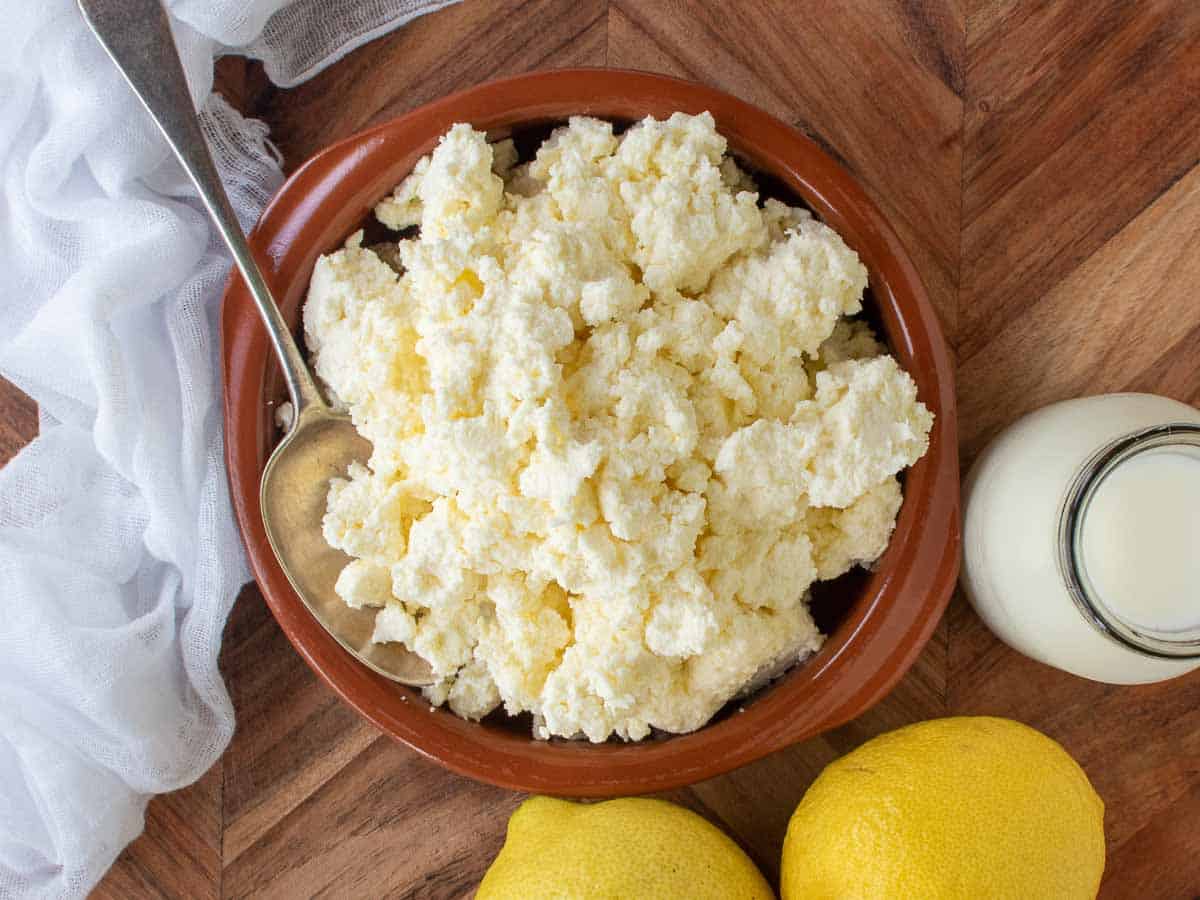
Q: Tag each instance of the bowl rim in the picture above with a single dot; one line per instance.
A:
(903, 599)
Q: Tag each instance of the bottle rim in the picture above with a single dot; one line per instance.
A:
(1180, 645)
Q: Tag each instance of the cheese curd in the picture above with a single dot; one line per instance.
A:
(620, 425)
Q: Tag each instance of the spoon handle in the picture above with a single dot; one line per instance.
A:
(137, 35)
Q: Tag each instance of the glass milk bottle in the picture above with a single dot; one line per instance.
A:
(1081, 537)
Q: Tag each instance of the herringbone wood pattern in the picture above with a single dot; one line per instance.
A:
(1040, 161)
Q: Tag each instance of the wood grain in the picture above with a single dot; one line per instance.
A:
(1075, 123)
(18, 420)
(1109, 325)
(1041, 164)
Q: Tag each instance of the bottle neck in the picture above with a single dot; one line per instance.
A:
(1105, 613)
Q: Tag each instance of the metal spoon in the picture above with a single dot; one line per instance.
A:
(321, 442)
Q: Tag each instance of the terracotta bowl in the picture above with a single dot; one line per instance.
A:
(877, 622)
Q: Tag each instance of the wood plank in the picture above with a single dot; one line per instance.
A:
(1123, 320)
(1147, 865)
(293, 733)
(1065, 143)
(388, 823)
(18, 420)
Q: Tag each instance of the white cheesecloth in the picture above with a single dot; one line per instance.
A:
(119, 558)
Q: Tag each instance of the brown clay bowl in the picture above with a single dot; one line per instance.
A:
(877, 622)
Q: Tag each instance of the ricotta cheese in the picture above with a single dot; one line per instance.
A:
(620, 422)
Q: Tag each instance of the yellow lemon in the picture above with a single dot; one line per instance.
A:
(629, 848)
(951, 808)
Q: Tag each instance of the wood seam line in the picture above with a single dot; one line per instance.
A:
(607, 33)
(640, 25)
(948, 667)
(221, 824)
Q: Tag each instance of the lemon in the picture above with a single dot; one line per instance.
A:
(951, 808)
(633, 847)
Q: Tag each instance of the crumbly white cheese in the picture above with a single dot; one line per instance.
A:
(620, 425)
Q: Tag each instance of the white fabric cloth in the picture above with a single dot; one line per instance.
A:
(119, 558)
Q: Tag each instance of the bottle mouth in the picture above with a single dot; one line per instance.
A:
(1164, 644)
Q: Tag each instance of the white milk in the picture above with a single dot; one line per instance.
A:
(1141, 540)
(1081, 545)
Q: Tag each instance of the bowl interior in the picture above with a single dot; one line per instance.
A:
(876, 621)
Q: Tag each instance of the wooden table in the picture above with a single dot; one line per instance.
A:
(1041, 163)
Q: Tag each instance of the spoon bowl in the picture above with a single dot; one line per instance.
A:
(320, 446)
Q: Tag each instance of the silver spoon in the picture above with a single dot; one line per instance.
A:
(321, 442)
